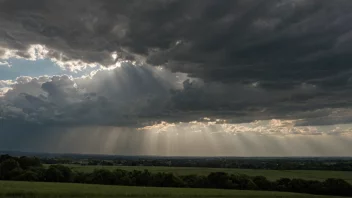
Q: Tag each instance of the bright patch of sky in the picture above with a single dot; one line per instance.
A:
(36, 68)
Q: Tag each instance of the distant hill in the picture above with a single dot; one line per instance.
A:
(107, 157)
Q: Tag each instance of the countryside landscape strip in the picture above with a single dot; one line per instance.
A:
(270, 174)
(10, 189)
(31, 169)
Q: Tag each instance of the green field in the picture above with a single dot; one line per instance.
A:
(57, 190)
(270, 174)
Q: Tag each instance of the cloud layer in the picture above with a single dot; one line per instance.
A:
(118, 97)
(278, 44)
(270, 44)
(286, 63)
(140, 95)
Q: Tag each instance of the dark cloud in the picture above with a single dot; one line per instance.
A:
(111, 97)
(136, 96)
(277, 43)
(248, 59)
(253, 68)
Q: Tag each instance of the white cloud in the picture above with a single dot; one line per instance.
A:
(5, 63)
(3, 91)
(272, 127)
(6, 83)
(40, 52)
(5, 86)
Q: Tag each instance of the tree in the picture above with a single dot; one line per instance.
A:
(80, 177)
(194, 181)
(122, 177)
(4, 157)
(219, 180)
(15, 173)
(7, 166)
(166, 180)
(242, 182)
(54, 175)
(102, 176)
(28, 176)
(337, 187)
(262, 182)
(40, 172)
(141, 178)
(283, 184)
(59, 173)
(315, 187)
(298, 185)
(27, 162)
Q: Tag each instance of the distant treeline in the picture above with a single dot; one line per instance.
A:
(30, 169)
(245, 163)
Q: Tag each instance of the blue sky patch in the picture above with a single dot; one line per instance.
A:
(23, 67)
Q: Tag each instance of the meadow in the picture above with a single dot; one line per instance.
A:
(270, 174)
(65, 190)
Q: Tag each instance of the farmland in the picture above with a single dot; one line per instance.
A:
(170, 179)
(270, 174)
(36, 189)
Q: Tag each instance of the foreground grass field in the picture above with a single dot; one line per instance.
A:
(62, 190)
(270, 174)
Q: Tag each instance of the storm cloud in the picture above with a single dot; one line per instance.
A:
(140, 95)
(276, 43)
(271, 44)
(233, 63)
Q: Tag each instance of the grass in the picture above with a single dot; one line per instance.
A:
(63, 190)
(270, 174)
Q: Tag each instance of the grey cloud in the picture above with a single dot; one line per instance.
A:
(334, 117)
(278, 43)
(126, 96)
(239, 60)
(137, 96)
(246, 59)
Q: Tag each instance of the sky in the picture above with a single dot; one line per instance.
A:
(177, 78)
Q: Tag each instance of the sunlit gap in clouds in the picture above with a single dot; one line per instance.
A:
(206, 137)
(278, 138)
(196, 139)
(38, 52)
(41, 62)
